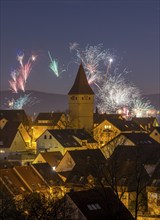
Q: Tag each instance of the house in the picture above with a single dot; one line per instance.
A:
(23, 158)
(41, 177)
(97, 204)
(52, 158)
(146, 154)
(124, 177)
(108, 126)
(79, 157)
(79, 168)
(155, 134)
(64, 140)
(51, 177)
(13, 138)
(127, 139)
(48, 174)
(46, 121)
(146, 123)
(153, 193)
(3, 122)
(15, 116)
(4, 163)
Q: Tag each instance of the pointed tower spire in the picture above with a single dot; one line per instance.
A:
(81, 85)
(81, 102)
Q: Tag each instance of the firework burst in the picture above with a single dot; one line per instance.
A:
(94, 59)
(22, 101)
(115, 93)
(141, 107)
(19, 77)
(54, 66)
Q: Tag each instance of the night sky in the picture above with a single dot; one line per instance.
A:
(129, 27)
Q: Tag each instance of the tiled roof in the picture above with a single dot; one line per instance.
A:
(14, 115)
(101, 204)
(8, 133)
(144, 121)
(157, 129)
(12, 181)
(64, 137)
(48, 174)
(118, 122)
(53, 158)
(86, 162)
(146, 154)
(48, 116)
(84, 156)
(81, 85)
(136, 138)
(67, 136)
(28, 174)
(98, 118)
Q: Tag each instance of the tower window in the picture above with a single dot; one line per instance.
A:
(73, 98)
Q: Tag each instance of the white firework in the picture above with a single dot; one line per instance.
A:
(141, 107)
(115, 93)
(94, 59)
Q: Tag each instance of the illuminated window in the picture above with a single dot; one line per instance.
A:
(107, 126)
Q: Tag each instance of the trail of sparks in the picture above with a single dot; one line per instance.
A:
(22, 101)
(54, 66)
(19, 77)
(141, 107)
(115, 94)
(94, 60)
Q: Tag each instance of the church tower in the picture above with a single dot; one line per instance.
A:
(81, 102)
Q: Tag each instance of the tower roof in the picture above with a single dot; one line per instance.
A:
(81, 85)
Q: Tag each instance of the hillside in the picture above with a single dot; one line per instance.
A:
(40, 101)
(47, 102)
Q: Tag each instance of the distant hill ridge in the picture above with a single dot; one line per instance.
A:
(48, 102)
